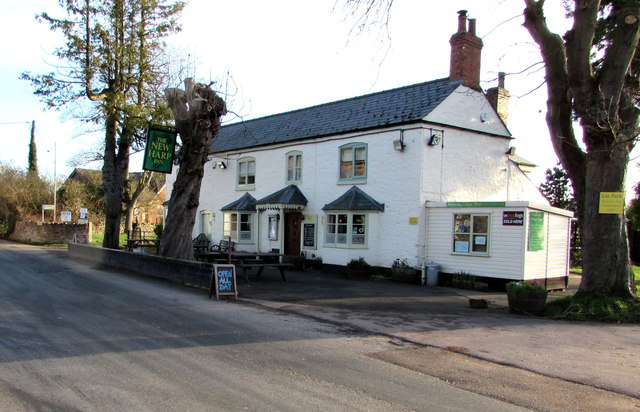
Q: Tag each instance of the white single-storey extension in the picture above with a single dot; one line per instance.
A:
(500, 240)
(424, 172)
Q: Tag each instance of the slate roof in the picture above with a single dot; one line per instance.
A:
(354, 199)
(290, 195)
(387, 108)
(246, 203)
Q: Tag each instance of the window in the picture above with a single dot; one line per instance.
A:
(246, 173)
(353, 162)
(238, 226)
(294, 167)
(471, 234)
(346, 230)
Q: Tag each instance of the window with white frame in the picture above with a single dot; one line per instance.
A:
(246, 173)
(239, 226)
(471, 233)
(294, 167)
(348, 230)
(353, 162)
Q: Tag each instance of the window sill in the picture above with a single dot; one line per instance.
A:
(471, 254)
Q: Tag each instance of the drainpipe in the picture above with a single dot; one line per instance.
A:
(423, 271)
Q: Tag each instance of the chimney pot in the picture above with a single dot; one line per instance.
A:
(472, 26)
(462, 21)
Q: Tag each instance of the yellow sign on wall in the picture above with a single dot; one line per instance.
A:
(611, 203)
(413, 220)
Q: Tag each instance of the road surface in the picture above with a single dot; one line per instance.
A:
(75, 338)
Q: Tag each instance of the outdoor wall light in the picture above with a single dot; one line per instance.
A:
(222, 165)
(434, 140)
(398, 145)
(213, 165)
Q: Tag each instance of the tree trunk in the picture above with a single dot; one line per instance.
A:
(197, 111)
(602, 98)
(132, 201)
(605, 246)
(114, 176)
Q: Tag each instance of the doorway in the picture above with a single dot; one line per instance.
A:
(292, 224)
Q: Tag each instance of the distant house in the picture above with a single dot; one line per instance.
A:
(146, 215)
(423, 172)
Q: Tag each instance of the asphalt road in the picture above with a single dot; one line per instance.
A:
(79, 339)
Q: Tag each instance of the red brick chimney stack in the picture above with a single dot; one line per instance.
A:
(499, 98)
(466, 50)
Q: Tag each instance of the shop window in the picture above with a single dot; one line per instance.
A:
(471, 233)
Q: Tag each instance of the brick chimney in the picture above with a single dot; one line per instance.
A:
(499, 98)
(466, 50)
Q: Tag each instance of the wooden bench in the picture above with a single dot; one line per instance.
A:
(223, 246)
(200, 244)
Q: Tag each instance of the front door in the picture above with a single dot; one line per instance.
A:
(292, 224)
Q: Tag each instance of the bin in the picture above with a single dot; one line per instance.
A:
(433, 274)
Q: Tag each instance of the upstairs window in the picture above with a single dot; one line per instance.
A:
(294, 167)
(246, 173)
(353, 162)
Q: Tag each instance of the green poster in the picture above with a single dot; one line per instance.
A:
(536, 231)
(158, 155)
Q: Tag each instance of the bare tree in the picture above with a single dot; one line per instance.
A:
(197, 111)
(592, 76)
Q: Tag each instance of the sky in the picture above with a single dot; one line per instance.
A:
(274, 56)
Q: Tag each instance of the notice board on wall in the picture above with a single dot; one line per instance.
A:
(536, 231)
(223, 281)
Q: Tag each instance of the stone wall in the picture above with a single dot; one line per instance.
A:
(39, 232)
(185, 272)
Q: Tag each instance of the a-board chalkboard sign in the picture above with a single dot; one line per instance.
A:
(223, 281)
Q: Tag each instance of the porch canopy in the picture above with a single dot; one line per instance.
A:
(289, 198)
(246, 203)
(355, 199)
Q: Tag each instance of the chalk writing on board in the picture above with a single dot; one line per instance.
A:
(223, 281)
(309, 235)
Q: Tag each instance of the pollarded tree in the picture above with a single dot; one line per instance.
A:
(592, 76)
(197, 111)
(111, 57)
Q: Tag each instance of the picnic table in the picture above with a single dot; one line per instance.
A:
(248, 260)
(141, 243)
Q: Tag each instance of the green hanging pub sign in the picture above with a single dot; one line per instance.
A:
(159, 152)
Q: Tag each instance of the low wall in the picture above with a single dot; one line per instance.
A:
(39, 232)
(176, 270)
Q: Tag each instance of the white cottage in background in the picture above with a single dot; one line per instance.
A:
(423, 172)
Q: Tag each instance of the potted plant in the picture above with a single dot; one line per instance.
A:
(402, 272)
(358, 268)
(526, 297)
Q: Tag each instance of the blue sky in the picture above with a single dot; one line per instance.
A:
(281, 55)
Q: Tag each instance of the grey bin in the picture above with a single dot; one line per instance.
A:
(433, 274)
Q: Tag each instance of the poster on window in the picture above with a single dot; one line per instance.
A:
(461, 246)
(273, 227)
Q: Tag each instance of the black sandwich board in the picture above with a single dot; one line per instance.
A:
(223, 281)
